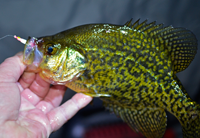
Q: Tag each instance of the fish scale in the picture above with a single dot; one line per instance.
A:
(130, 67)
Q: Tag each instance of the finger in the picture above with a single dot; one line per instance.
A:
(53, 98)
(12, 68)
(63, 113)
(27, 79)
(37, 90)
(30, 96)
(28, 76)
(39, 87)
(25, 105)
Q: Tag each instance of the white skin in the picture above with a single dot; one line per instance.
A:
(29, 107)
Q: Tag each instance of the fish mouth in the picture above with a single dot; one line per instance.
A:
(54, 80)
(32, 55)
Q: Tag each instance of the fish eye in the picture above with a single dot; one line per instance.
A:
(51, 49)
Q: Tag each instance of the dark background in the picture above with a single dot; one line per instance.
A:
(41, 17)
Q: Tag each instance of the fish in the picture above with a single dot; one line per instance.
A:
(131, 68)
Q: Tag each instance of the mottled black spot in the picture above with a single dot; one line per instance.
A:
(137, 83)
(143, 89)
(159, 89)
(122, 71)
(128, 85)
(179, 108)
(118, 79)
(136, 74)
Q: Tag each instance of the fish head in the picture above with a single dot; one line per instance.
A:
(55, 58)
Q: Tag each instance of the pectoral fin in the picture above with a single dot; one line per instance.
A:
(151, 122)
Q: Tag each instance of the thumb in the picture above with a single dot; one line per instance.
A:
(12, 68)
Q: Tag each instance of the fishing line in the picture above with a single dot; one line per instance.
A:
(5, 36)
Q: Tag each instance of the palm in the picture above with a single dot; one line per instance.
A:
(30, 107)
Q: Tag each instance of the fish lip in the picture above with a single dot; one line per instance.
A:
(47, 76)
(32, 55)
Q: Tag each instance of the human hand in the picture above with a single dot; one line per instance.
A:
(29, 107)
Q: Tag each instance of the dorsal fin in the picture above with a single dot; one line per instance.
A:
(148, 26)
(135, 24)
(128, 23)
(180, 43)
(140, 26)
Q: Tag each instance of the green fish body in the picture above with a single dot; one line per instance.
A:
(130, 67)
